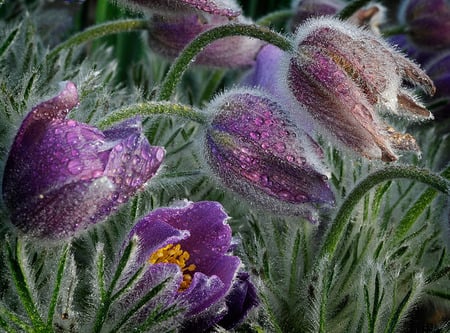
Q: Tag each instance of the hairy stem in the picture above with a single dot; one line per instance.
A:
(392, 172)
(196, 46)
(99, 31)
(150, 109)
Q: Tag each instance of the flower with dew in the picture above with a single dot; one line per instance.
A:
(62, 176)
(427, 23)
(256, 151)
(226, 8)
(189, 246)
(343, 77)
(168, 34)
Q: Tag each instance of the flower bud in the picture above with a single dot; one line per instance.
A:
(255, 151)
(62, 176)
(428, 23)
(227, 8)
(342, 76)
(169, 35)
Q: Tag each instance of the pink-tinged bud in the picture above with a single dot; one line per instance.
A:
(227, 8)
(255, 151)
(169, 35)
(428, 23)
(343, 76)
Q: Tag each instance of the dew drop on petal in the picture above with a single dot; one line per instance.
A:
(75, 167)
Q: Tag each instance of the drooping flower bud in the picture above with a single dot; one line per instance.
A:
(255, 151)
(169, 35)
(428, 23)
(62, 176)
(343, 76)
(227, 8)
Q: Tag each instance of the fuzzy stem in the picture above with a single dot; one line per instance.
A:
(277, 16)
(99, 31)
(351, 8)
(416, 210)
(150, 109)
(388, 173)
(198, 44)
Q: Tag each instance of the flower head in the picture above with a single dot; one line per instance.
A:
(62, 176)
(428, 23)
(438, 68)
(227, 8)
(257, 152)
(342, 76)
(191, 243)
(169, 35)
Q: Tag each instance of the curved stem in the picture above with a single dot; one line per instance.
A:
(343, 215)
(277, 16)
(192, 49)
(98, 31)
(149, 109)
(416, 210)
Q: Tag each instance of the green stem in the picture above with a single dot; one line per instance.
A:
(277, 16)
(198, 44)
(416, 210)
(99, 31)
(397, 30)
(388, 173)
(150, 109)
(351, 8)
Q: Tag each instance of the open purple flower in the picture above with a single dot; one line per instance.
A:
(190, 244)
(342, 76)
(62, 176)
(257, 152)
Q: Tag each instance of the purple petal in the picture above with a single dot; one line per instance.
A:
(52, 156)
(261, 153)
(241, 299)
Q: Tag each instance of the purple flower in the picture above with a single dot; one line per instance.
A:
(342, 76)
(428, 23)
(169, 35)
(62, 176)
(257, 152)
(191, 244)
(438, 69)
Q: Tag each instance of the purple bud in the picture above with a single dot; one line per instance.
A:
(62, 176)
(169, 35)
(428, 23)
(227, 8)
(438, 68)
(305, 9)
(257, 152)
(342, 75)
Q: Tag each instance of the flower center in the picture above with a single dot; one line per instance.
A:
(174, 254)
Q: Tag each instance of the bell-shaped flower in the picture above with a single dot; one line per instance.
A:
(427, 22)
(227, 8)
(62, 176)
(343, 76)
(189, 245)
(255, 151)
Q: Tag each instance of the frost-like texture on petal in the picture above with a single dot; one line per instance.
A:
(257, 152)
(226, 8)
(342, 76)
(169, 35)
(428, 23)
(201, 230)
(62, 175)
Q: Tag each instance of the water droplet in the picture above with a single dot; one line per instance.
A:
(71, 123)
(255, 135)
(265, 145)
(258, 121)
(280, 147)
(290, 158)
(75, 167)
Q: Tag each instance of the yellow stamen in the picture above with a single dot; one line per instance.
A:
(173, 254)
